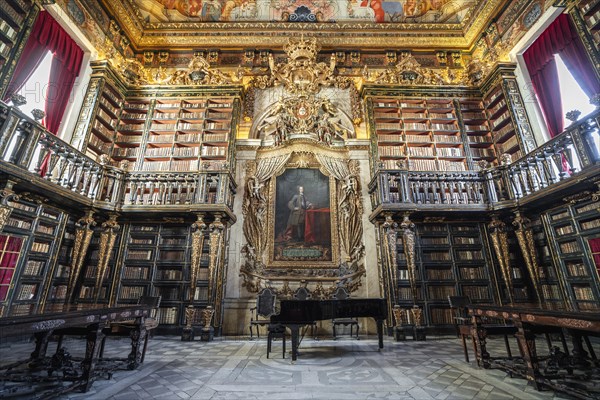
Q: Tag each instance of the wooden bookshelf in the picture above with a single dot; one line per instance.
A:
(500, 122)
(574, 231)
(38, 226)
(590, 10)
(156, 262)
(13, 15)
(477, 130)
(423, 133)
(451, 260)
(182, 134)
(102, 132)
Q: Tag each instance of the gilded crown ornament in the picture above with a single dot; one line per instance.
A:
(302, 48)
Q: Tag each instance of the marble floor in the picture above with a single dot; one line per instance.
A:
(345, 369)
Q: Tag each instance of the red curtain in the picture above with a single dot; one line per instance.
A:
(559, 38)
(48, 35)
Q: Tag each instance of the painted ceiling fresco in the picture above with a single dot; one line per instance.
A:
(378, 11)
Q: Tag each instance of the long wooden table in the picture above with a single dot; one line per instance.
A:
(89, 322)
(558, 366)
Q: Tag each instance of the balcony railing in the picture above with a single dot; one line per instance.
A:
(563, 158)
(181, 188)
(26, 148)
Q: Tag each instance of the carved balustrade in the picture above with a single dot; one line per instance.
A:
(567, 156)
(39, 155)
(435, 188)
(181, 188)
(29, 150)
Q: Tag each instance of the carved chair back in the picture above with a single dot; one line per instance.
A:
(265, 303)
(341, 293)
(152, 301)
(459, 305)
(302, 293)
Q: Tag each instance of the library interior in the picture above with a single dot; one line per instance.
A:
(295, 199)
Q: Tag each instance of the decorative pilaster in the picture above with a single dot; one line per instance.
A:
(6, 194)
(499, 238)
(108, 236)
(526, 243)
(84, 230)
(407, 227)
(390, 264)
(216, 270)
(198, 229)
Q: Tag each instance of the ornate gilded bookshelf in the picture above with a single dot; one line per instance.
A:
(156, 262)
(573, 229)
(451, 259)
(167, 129)
(39, 226)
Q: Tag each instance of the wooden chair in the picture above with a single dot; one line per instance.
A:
(463, 324)
(462, 321)
(261, 313)
(275, 331)
(341, 294)
(125, 328)
(303, 293)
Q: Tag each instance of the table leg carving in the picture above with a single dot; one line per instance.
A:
(137, 336)
(526, 341)
(92, 349)
(579, 356)
(41, 346)
(479, 333)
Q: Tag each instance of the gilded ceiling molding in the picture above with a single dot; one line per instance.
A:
(408, 71)
(329, 38)
(198, 72)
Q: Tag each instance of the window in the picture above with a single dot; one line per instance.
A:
(35, 88)
(571, 94)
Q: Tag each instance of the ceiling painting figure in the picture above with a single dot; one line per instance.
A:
(378, 11)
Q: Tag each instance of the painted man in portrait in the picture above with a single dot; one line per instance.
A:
(298, 205)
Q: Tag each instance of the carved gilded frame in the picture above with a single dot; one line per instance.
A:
(303, 160)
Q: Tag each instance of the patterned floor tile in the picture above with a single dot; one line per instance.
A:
(232, 369)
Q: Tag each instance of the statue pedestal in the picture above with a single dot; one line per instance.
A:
(416, 332)
(207, 334)
(419, 333)
(399, 334)
(187, 335)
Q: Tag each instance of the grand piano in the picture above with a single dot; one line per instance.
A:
(294, 314)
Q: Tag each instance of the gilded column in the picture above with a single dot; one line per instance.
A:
(108, 237)
(407, 227)
(525, 238)
(216, 270)
(389, 269)
(198, 229)
(83, 235)
(499, 238)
